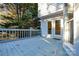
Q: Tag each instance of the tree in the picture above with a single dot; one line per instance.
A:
(22, 14)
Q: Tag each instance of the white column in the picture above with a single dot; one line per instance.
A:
(62, 29)
(66, 28)
(44, 28)
(53, 28)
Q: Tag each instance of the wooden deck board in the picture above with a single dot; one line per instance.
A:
(35, 46)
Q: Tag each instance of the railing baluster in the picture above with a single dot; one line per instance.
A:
(9, 34)
(14, 34)
(25, 33)
(2, 34)
(30, 32)
(17, 33)
(6, 33)
(22, 33)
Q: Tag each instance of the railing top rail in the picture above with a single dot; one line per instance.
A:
(20, 29)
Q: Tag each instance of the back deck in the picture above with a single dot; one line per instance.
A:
(34, 46)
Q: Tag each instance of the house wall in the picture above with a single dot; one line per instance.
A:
(44, 28)
(45, 9)
(76, 29)
(73, 49)
(76, 25)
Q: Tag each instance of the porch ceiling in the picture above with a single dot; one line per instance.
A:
(55, 14)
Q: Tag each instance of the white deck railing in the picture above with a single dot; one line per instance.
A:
(6, 34)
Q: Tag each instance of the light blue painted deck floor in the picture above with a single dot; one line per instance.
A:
(36, 46)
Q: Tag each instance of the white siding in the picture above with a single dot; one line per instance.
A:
(76, 25)
(47, 8)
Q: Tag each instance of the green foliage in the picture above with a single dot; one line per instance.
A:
(22, 15)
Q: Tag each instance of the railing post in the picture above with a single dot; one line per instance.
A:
(30, 32)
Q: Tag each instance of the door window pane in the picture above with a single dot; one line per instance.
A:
(57, 27)
(49, 27)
